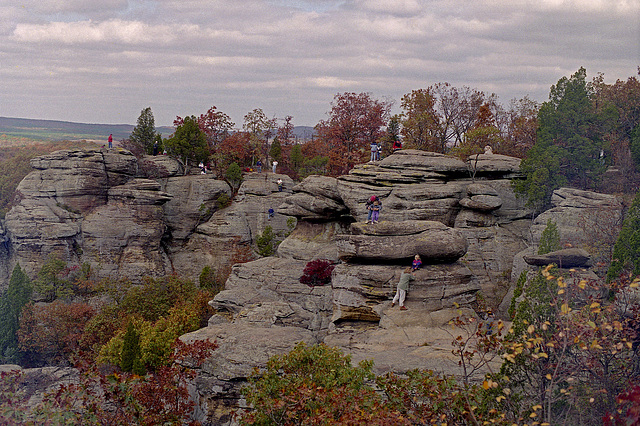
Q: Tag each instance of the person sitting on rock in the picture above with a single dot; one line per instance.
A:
(403, 287)
(271, 213)
(375, 211)
(417, 263)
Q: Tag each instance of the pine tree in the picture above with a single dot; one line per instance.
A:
(626, 252)
(16, 297)
(144, 134)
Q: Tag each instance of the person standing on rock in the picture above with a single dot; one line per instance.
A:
(279, 182)
(275, 163)
(374, 151)
(110, 139)
(375, 210)
(403, 287)
(259, 166)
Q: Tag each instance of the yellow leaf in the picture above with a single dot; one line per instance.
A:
(594, 305)
(561, 291)
(532, 415)
(582, 284)
(536, 407)
(485, 385)
(543, 355)
(500, 398)
(591, 324)
(565, 309)
(531, 329)
(548, 376)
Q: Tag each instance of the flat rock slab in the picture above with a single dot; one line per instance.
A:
(567, 258)
(436, 244)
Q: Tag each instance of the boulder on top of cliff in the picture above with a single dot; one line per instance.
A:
(387, 242)
(425, 160)
(566, 258)
(493, 164)
(164, 165)
(264, 184)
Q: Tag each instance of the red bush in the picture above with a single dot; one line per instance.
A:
(317, 273)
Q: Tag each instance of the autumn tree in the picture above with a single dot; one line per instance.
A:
(216, 125)
(315, 385)
(188, 142)
(144, 134)
(520, 126)
(421, 122)
(260, 128)
(285, 132)
(355, 121)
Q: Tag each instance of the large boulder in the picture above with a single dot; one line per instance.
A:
(394, 241)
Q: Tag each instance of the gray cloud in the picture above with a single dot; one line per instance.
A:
(103, 61)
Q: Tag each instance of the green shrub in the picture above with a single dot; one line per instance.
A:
(550, 239)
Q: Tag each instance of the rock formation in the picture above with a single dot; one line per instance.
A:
(463, 218)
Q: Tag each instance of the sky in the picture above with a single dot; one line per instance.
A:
(103, 61)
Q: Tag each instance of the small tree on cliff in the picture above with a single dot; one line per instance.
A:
(144, 134)
(188, 142)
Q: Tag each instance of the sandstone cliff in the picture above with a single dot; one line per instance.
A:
(463, 219)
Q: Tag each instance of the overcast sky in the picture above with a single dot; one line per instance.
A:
(103, 61)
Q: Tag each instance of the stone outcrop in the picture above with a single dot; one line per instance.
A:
(567, 258)
(462, 218)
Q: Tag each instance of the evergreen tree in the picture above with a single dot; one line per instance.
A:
(276, 150)
(626, 252)
(569, 143)
(296, 157)
(12, 301)
(233, 175)
(144, 134)
(188, 142)
(550, 240)
(130, 361)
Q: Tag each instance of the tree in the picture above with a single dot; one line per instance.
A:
(216, 125)
(569, 146)
(550, 239)
(355, 122)
(626, 251)
(260, 129)
(421, 122)
(144, 134)
(520, 128)
(131, 361)
(285, 132)
(296, 158)
(188, 142)
(233, 175)
(276, 150)
(12, 301)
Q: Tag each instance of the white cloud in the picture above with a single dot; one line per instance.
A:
(293, 56)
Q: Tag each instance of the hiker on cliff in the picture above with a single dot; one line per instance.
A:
(368, 206)
(271, 212)
(279, 182)
(259, 166)
(110, 140)
(375, 211)
(274, 164)
(417, 263)
(374, 151)
(403, 287)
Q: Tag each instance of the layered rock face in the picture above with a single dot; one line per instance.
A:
(431, 207)
(92, 206)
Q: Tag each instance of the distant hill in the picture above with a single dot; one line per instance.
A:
(66, 130)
